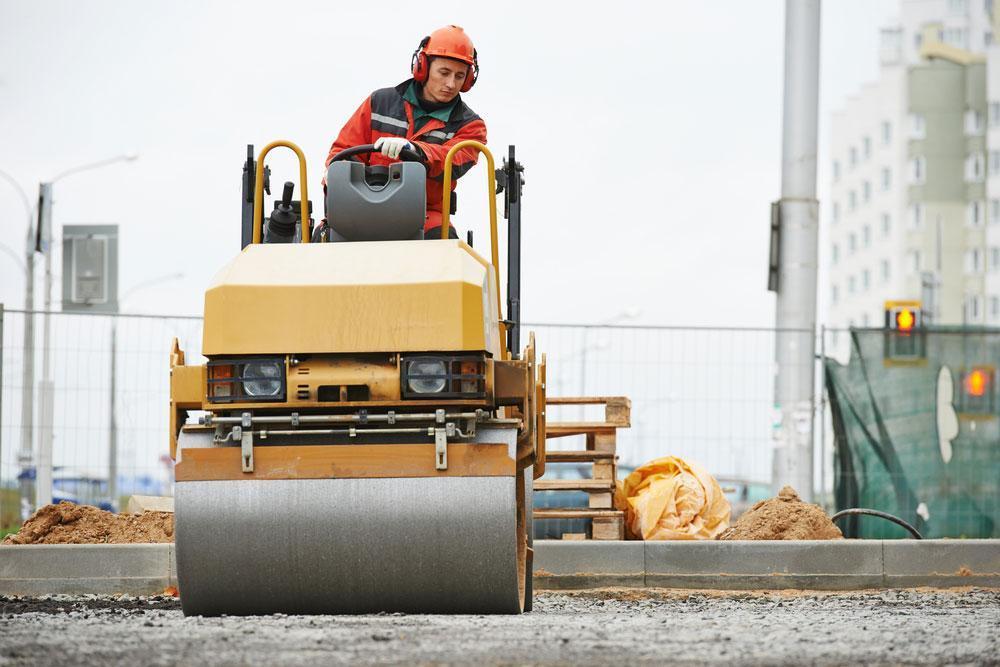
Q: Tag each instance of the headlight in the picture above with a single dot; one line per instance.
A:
(426, 376)
(444, 376)
(262, 378)
(246, 380)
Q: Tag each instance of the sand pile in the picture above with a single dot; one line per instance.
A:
(67, 523)
(783, 518)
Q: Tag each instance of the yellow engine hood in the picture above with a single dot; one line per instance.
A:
(390, 296)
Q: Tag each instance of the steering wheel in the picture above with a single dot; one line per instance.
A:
(406, 155)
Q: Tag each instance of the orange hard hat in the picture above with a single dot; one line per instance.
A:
(447, 42)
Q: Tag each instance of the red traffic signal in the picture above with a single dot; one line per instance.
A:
(977, 381)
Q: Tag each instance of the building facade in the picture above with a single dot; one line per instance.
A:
(914, 210)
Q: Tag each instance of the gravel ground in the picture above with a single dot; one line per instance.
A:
(616, 627)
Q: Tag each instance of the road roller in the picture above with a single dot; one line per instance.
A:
(365, 428)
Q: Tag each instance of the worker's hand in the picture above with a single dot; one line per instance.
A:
(391, 146)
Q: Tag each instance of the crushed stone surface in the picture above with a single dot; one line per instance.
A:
(68, 523)
(592, 628)
(785, 517)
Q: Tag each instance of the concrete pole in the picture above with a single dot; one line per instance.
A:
(796, 302)
(24, 456)
(43, 462)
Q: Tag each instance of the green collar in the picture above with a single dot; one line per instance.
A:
(419, 112)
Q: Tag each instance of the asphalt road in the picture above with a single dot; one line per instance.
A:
(604, 627)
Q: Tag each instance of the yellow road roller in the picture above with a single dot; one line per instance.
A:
(364, 433)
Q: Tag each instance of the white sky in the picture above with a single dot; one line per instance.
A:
(650, 132)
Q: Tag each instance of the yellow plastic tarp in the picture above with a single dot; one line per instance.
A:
(672, 499)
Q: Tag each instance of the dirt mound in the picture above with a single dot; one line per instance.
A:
(67, 523)
(783, 518)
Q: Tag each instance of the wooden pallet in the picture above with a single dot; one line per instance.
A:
(606, 522)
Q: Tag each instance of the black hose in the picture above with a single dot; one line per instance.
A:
(883, 515)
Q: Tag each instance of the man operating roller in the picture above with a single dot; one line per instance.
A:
(425, 114)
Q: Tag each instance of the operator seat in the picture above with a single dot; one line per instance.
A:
(376, 203)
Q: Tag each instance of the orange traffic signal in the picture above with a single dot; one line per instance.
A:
(977, 382)
(905, 319)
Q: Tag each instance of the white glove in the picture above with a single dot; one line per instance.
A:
(391, 146)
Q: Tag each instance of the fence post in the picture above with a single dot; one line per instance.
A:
(1, 409)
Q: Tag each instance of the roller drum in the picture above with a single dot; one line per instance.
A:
(333, 546)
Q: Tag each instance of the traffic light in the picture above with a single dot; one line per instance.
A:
(977, 391)
(904, 339)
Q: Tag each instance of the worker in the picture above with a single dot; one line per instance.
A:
(425, 114)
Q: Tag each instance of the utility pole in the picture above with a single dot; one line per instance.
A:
(43, 464)
(27, 354)
(798, 222)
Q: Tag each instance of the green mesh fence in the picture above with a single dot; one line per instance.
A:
(917, 431)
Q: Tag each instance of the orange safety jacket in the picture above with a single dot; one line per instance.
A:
(387, 114)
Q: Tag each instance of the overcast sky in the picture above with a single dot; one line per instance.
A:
(650, 132)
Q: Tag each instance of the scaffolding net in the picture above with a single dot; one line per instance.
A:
(916, 421)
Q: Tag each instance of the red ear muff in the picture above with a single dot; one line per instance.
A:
(418, 63)
(470, 78)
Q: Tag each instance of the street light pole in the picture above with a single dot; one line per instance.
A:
(43, 468)
(28, 351)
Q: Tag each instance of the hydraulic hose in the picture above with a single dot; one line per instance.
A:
(858, 511)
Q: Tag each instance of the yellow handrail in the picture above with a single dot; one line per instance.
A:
(258, 191)
(491, 184)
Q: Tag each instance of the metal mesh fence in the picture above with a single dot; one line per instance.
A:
(700, 393)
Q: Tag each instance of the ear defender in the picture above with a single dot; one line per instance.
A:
(470, 79)
(418, 63)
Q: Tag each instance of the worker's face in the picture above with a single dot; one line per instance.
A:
(445, 79)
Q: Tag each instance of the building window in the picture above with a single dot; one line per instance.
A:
(852, 243)
(958, 7)
(995, 260)
(834, 294)
(918, 129)
(974, 168)
(835, 253)
(956, 37)
(852, 284)
(974, 308)
(916, 216)
(865, 320)
(918, 169)
(866, 147)
(974, 123)
(886, 133)
(866, 279)
(884, 270)
(994, 114)
(995, 211)
(836, 171)
(994, 163)
(836, 212)
(886, 224)
(987, 38)
(974, 261)
(866, 235)
(913, 260)
(866, 191)
(995, 307)
(886, 178)
(974, 214)
(852, 200)
(852, 156)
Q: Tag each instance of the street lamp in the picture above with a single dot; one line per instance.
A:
(28, 355)
(43, 467)
(112, 414)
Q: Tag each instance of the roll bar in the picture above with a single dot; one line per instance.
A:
(491, 189)
(258, 193)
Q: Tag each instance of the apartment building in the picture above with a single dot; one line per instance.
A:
(914, 209)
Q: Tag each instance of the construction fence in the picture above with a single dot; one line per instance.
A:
(701, 393)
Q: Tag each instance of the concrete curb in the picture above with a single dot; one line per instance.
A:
(748, 565)
(144, 569)
(78, 569)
